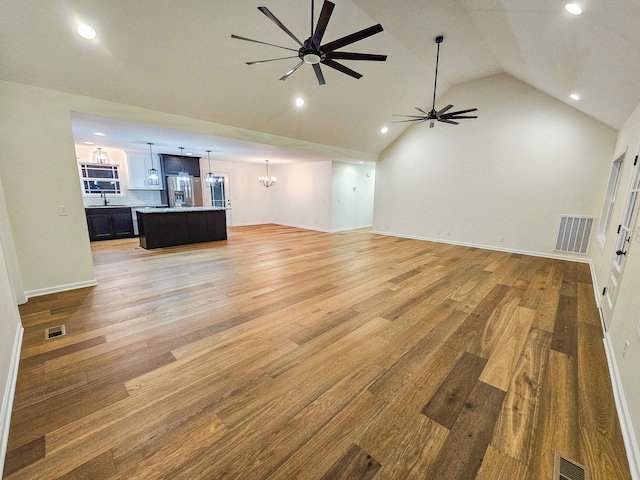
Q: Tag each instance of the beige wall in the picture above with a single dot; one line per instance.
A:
(39, 173)
(625, 320)
(10, 330)
(527, 159)
(38, 169)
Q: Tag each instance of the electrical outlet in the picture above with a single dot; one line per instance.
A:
(62, 211)
(626, 348)
(502, 239)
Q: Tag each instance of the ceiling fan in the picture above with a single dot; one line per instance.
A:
(313, 52)
(442, 115)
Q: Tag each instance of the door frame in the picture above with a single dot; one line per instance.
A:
(622, 244)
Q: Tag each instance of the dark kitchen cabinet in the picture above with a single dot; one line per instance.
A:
(174, 164)
(166, 229)
(108, 223)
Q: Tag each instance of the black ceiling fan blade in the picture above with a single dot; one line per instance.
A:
(270, 60)
(460, 112)
(323, 21)
(408, 116)
(448, 121)
(273, 18)
(412, 120)
(356, 56)
(288, 74)
(238, 37)
(319, 76)
(349, 39)
(432, 123)
(341, 68)
(440, 112)
(421, 110)
(456, 117)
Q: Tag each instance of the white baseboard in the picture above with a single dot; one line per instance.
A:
(487, 247)
(306, 227)
(350, 229)
(628, 435)
(9, 393)
(303, 227)
(60, 288)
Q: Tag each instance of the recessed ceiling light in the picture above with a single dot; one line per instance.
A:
(384, 129)
(573, 8)
(361, 163)
(299, 102)
(86, 31)
(575, 96)
(89, 143)
(189, 154)
(99, 134)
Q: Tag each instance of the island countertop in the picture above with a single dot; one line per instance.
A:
(178, 209)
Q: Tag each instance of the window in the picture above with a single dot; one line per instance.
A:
(100, 178)
(610, 200)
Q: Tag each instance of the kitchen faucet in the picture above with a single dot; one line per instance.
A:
(104, 195)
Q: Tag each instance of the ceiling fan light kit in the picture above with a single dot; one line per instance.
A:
(442, 115)
(313, 52)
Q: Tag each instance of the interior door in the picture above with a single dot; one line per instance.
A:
(216, 193)
(623, 242)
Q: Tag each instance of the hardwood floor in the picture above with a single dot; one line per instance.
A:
(291, 354)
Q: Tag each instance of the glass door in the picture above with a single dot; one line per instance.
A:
(216, 193)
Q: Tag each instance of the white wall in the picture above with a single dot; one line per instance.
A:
(10, 331)
(625, 320)
(39, 173)
(352, 191)
(38, 168)
(133, 198)
(511, 173)
(302, 196)
(250, 201)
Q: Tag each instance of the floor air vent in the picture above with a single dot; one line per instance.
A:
(54, 332)
(574, 234)
(569, 470)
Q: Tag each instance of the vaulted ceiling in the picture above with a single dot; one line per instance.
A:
(179, 57)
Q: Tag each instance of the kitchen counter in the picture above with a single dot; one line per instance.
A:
(166, 227)
(178, 209)
(115, 205)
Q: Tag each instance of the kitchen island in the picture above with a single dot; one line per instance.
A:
(166, 227)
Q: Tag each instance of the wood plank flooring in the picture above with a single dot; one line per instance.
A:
(291, 354)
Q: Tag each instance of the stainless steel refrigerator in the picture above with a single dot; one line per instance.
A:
(184, 191)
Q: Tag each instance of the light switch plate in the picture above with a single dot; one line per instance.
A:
(62, 211)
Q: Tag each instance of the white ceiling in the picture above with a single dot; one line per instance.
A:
(179, 57)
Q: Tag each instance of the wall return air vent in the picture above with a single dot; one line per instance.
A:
(574, 234)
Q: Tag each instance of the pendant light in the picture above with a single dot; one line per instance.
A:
(100, 157)
(210, 178)
(266, 180)
(182, 175)
(154, 178)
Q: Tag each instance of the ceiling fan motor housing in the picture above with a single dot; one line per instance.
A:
(310, 54)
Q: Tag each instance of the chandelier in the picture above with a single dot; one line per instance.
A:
(266, 180)
(154, 178)
(100, 157)
(182, 174)
(210, 177)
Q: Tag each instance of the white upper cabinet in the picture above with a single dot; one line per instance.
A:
(139, 165)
